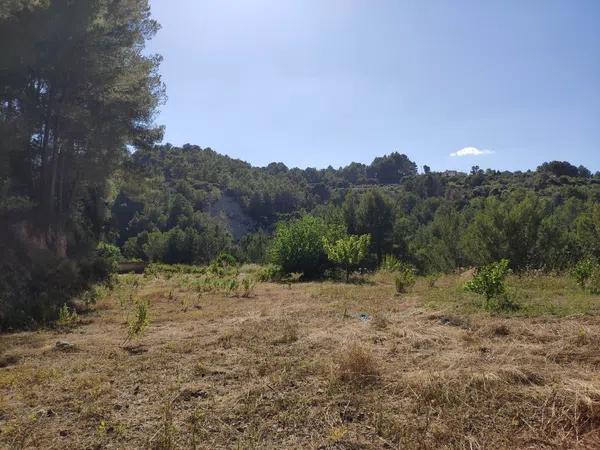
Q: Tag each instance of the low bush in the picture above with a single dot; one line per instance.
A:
(431, 279)
(403, 281)
(593, 283)
(582, 271)
(67, 317)
(489, 281)
(390, 263)
(247, 287)
(154, 269)
(140, 320)
(228, 285)
(270, 272)
(35, 283)
(587, 275)
(90, 296)
(404, 274)
(224, 264)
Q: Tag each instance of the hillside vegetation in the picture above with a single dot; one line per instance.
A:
(544, 219)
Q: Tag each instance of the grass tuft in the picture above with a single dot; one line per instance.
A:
(357, 366)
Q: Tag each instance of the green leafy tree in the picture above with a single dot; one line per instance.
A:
(348, 251)
(298, 245)
(506, 229)
(391, 169)
(374, 215)
(582, 271)
(254, 246)
(588, 231)
(489, 280)
(436, 245)
(109, 256)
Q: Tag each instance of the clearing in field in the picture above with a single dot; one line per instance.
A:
(307, 365)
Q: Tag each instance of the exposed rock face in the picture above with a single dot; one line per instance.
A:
(230, 210)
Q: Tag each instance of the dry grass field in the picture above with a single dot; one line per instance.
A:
(318, 365)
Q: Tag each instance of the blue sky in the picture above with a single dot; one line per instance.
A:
(320, 82)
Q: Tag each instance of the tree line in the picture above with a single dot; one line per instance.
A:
(438, 221)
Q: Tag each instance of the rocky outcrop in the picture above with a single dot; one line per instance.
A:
(231, 212)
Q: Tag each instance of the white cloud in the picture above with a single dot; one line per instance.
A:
(471, 151)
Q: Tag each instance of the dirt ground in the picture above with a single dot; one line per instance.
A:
(302, 365)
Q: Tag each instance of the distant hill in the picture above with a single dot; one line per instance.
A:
(213, 201)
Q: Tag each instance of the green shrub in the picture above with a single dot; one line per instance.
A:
(297, 246)
(67, 317)
(91, 295)
(108, 257)
(154, 269)
(230, 285)
(431, 279)
(35, 283)
(390, 263)
(587, 275)
(403, 280)
(223, 264)
(247, 287)
(225, 259)
(270, 272)
(348, 251)
(489, 281)
(138, 323)
(593, 283)
(583, 271)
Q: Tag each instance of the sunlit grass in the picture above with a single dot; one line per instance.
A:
(536, 295)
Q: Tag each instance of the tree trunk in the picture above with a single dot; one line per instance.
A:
(55, 156)
(52, 190)
(45, 139)
(61, 183)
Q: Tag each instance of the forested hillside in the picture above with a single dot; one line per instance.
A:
(164, 209)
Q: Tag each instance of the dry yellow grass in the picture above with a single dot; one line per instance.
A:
(314, 365)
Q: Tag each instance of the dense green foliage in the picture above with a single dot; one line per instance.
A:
(298, 246)
(348, 251)
(587, 275)
(488, 280)
(404, 278)
(75, 90)
(109, 255)
(438, 221)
